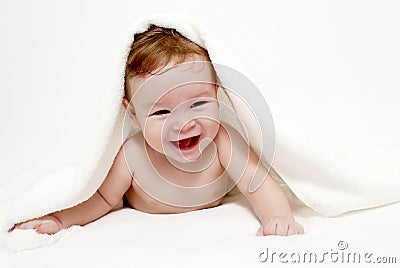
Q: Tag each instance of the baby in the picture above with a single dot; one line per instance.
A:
(183, 158)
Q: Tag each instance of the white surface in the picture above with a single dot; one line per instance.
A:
(222, 236)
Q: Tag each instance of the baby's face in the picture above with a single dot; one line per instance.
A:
(178, 113)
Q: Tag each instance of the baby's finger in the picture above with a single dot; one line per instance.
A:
(295, 229)
(270, 228)
(260, 231)
(282, 229)
(292, 230)
(28, 225)
(300, 229)
(42, 229)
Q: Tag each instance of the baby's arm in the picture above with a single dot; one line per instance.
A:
(268, 200)
(115, 185)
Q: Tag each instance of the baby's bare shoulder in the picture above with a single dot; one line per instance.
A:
(230, 143)
(221, 136)
(134, 150)
(225, 135)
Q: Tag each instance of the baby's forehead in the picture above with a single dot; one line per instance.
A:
(189, 72)
(172, 63)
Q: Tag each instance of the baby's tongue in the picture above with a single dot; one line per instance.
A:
(184, 143)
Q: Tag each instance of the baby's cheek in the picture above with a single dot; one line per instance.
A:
(211, 126)
(152, 135)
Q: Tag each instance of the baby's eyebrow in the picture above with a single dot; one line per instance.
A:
(152, 106)
(161, 104)
(198, 95)
(203, 92)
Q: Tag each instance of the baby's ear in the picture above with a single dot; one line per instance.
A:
(131, 112)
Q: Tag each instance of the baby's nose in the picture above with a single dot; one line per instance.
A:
(186, 127)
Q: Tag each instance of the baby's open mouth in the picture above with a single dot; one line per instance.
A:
(187, 144)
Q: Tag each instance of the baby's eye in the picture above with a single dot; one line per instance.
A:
(198, 103)
(161, 112)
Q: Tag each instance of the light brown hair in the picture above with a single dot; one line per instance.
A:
(153, 49)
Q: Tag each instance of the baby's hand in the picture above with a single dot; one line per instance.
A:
(43, 225)
(280, 226)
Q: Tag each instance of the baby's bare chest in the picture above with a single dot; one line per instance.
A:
(163, 186)
(165, 190)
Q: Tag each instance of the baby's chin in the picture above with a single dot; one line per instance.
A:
(193, 153)
(184, 157)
